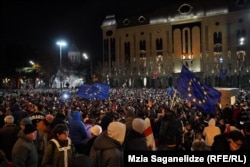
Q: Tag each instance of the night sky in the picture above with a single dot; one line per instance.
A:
(29, 30)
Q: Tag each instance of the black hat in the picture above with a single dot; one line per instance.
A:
(29, 128)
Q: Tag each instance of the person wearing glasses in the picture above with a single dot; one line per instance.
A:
(59, 151)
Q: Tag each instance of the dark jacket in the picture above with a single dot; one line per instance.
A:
(135, 139)
(170, 130)
(221, 144)
(106, 152)
(8, 137)
(53, 157)
(24, 152)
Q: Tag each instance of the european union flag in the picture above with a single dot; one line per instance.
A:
(223, 74)
(170, 91)
(198, 93)
(97, 90)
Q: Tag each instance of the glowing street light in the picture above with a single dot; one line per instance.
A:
(85, 56)
(31, 62)
(61, 44)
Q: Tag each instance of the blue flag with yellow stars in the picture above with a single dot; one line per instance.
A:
(198, 93)
(97, 90)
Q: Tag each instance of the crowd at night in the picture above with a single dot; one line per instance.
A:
(186, 127)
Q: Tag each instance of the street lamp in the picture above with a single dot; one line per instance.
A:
(85, 56)
(61, 44)
(31, 62)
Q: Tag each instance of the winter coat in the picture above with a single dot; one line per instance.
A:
(136, 139)
(77, 129)
(106, 152)
(170, 131)
(53, 157)
(221, 144)
(24, 153)
(8, 137)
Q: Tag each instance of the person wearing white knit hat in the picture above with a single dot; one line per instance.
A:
(107, 147)
(96, 130)
(138, 125)
(136, 136)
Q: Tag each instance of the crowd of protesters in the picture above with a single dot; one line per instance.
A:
(46, 128)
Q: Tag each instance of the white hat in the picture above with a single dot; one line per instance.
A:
(117, 131)
(138, 125)
(96, 130)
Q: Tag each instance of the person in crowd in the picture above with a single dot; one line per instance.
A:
(77, 131)
(230, 126)
(243, 115)
(95, 130)
(88, 126)
(221, 124)
(24, 152)
(198, 143)
(8, 136)
(188, 136)
(59, 151)
(16, 112)
(45, 125)
(2, 115)
(129, 116)
(40, 141)
(232, 141)
(105, 121)
(135, 139)
(107, 149)
(170, 135)
(209, 132)
(3, 159)
(227, 113)
(59, 118)
(236, 111)
(246, 132)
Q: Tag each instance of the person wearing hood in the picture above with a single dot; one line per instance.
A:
(77, 131)
(210, 132)
(24, 152)
(107, 149)
(136, 137)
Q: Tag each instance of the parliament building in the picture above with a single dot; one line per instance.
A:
(211, 38)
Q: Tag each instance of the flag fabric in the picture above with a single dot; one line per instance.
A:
(148, 132)
(170, 91)
(223, 74)
(97, 90)
(198, 93)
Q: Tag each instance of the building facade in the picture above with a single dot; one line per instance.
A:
(210, 38)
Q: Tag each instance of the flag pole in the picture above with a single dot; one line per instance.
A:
(172, 101)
